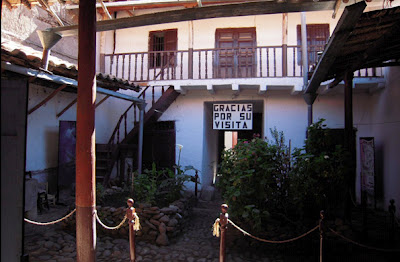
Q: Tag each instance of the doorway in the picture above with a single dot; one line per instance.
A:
(229, 139)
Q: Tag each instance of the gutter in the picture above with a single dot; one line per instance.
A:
(64, 81)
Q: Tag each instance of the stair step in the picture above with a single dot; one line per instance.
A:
(102, 159)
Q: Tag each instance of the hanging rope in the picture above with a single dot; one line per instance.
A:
(49, 223)
(361, 245)
(272, 241)
(216, 228)
(107, 227)
(136, 226)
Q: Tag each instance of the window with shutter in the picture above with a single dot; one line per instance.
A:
(161, 43)
(236, 49)
(317, 36)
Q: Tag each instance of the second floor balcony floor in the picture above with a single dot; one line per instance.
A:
(216, 64)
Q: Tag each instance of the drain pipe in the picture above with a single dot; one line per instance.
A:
(48, 40)
(304, 49)
(142, 107)
(310, 98)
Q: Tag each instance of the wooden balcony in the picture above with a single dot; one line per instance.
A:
(259, 62)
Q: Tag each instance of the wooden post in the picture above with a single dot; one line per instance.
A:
(304, 48)
(190, 64)
(348, 111)
(284, 43)
(223, 220)
(85, 139)
(392, 210)
(131, 220)
(196, 177)
(321, 233)
(349, 138)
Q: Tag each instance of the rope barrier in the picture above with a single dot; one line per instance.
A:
(49, 223)
(107, 227)
(216, 228)
(352, 200)
(395, 219)
(361, 245)
(136, 227)
(216, 233)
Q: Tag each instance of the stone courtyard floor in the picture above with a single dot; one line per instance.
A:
(54, 244)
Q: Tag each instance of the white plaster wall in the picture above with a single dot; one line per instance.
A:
(288, 114)
(43, 124)
(378, 116)
(200, 34)
(20, 25)
(42, 127)
(194, 129)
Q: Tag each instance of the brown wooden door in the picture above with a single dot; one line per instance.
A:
(159, 145)
(235, 52)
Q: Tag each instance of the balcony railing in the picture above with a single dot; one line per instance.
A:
(218, 63)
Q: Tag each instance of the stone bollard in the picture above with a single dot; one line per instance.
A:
(223, 220)
(321, 232)
(130, 211)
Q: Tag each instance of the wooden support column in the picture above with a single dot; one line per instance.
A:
(304, 49)
(348, 110)
(349, 139)
(85, 135)
(284, 43)
(310, 98)
(190, 63)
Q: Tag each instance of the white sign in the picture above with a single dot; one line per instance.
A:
(233, 116)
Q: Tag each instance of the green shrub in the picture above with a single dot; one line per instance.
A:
(160, 186)
(100, 192)
(253, 178)
(258, 180)
(318, 173)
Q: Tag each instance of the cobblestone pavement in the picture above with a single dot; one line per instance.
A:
(196, 243)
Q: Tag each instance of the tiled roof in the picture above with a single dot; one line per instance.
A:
(30, 59)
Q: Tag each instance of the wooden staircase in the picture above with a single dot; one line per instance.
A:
(124, 142)
(103, 161)
(155, 112)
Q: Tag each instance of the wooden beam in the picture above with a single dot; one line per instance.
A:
(8, 4)
(48, 8)
(27, 4)
(377, 46)
(31, 79)
(190, 14)
(374, 50)
(102, 100)
(105, 9)
(67, 107)
(55, 92)
(337, 5)
(130, 12)
(343, 29)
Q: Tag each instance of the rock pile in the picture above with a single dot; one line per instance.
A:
(158, 225)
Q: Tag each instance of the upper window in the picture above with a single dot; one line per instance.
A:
(317, 36)
(236, 49)
(160, 45)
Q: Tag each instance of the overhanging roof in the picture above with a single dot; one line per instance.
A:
(360, 40)
(206, 12)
